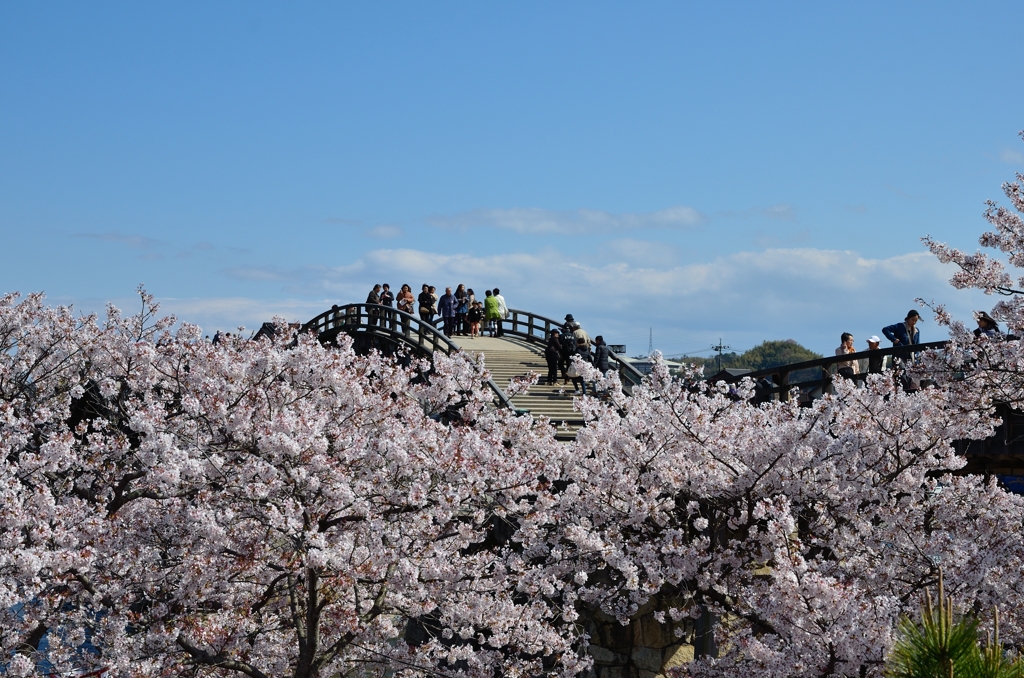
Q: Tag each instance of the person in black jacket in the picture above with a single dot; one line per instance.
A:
(387, 299)
(553, 355)
(373, 298)
(601, 354)
(906, 332)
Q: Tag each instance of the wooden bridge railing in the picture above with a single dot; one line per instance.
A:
(779, 376)
(393, 325)
(536, 328)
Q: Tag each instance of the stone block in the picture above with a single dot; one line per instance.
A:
(677, 655)
(603, 655)
(615, 636)
(652, 633)
(647, 659)
(612, 672)
(648, 674)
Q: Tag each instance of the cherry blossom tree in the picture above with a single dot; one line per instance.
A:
(283, 508)
(259, 508)
(809, 531)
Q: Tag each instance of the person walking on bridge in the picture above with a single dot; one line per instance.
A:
(577, 331)
(446, 305)
(553, 356)
(579, 384)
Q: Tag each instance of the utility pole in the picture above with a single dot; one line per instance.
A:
(650, 340)
(719, 348)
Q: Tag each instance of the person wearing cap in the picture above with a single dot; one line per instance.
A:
(875, 362)
(904, 333)
(576, 329)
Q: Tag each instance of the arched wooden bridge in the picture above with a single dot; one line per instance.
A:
(518, 353)
(521, 351)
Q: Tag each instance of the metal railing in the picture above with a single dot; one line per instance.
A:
(390, 324)
(779, 376)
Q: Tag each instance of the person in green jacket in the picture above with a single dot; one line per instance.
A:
(492, 311)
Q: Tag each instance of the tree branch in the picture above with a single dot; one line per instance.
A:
(200, 656)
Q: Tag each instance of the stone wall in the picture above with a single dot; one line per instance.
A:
(643, 648)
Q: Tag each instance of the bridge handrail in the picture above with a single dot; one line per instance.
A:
(535, 322)
(386, 321)
(780, 374)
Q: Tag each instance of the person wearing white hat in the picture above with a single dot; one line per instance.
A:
(875, 362)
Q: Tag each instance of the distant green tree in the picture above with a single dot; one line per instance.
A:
(764, 355)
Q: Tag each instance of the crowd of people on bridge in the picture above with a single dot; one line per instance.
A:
(462, 314)
(904, 333)
(573, 340)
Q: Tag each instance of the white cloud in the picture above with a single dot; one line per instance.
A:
(228, 313)
(808, 294)
(384, 232)
(1008, 155)
(129, 239)
(257, 273)
(535, 220)
(781, 211)
(805, 293)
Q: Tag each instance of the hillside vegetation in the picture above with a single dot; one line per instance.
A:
(762, 356)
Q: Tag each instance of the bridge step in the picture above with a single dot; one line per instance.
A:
(508, 358)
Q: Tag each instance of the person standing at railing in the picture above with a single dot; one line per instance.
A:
(461, 310)
(875, 363)
(987, 326)
(373, 298)
(502, 309)
(904, 333)
(426, 303)
(406, 302)
(475, 315)
(446, 305)
(601, 355)
(848, 368)
(387, 300)
(492, 312)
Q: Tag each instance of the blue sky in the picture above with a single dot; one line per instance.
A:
(747, 171)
